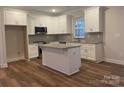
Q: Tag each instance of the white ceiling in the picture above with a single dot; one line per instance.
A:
(48, 9)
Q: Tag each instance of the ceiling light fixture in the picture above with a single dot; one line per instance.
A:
(53, 10)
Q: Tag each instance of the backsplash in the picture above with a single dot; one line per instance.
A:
(46, 38)
(93, 38)
(89, 38)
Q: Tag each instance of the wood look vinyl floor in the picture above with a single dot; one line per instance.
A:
(34, 74)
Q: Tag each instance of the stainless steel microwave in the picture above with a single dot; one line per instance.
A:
(40, 30)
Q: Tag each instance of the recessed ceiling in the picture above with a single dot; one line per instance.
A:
(48, 9)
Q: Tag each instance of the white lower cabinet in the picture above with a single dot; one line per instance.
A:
(33, 50)
(92, 52)
(83, 51)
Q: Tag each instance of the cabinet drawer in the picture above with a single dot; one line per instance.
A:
(83, 46)
(91, 47)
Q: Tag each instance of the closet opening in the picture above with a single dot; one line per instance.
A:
(16, 43)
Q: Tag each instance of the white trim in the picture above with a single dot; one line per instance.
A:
(27, 59)
(3, 65)
(73, 27)
(15, 59)
(121, 62)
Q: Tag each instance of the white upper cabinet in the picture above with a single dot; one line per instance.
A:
(50, 24)
(94, 19)
(31, 24)
(36, 21)
(39, 21)
(55, 25)
(64, 24)
(59, 24)
(15, 17)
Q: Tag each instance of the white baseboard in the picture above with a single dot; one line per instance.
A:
(121, 62)
(15, 59)
(3, 65)
(27, 59)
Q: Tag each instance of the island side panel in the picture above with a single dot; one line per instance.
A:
(74, 59)
(56, 59)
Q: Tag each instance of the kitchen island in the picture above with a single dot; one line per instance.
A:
(64, 58)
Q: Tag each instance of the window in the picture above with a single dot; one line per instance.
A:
(79, 28)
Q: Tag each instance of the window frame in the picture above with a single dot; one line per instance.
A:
(73, 27)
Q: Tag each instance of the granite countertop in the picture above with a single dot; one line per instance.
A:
(87, 42)
(60, 46)
(91, 42)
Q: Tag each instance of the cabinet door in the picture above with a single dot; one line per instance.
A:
(91, 54)
(31, 25)
(21, 19)
(87, 21)
(15, 18)
(83, 51)
(55, 25)
(33, 50)
(50, 25)
(62, 24)
(38, 21)
(92, 19)
(10, 18)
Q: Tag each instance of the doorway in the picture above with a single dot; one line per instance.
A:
(16, 43)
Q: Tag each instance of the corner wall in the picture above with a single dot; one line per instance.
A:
(3, 62)
(114, 35)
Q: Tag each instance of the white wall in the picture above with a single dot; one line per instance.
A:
(14, 43)
(1, 48)
(3, 62)
(114, 35)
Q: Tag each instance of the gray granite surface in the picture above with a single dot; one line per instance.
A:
(60, 46)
